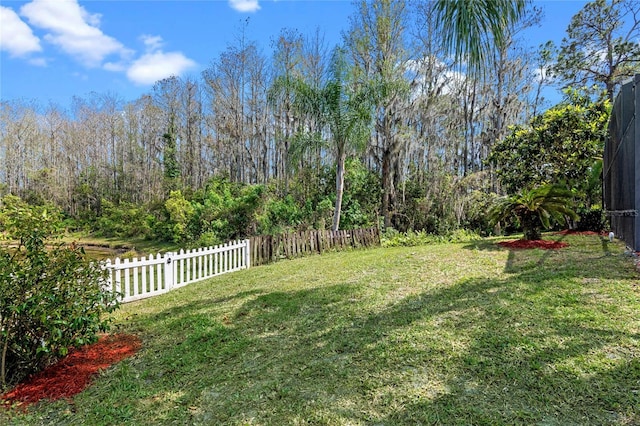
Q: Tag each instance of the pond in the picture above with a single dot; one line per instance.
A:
(102, 253)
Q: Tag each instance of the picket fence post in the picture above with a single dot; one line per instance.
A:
(247, 254)
(169, 270)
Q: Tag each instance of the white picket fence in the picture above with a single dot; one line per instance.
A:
(135, 279)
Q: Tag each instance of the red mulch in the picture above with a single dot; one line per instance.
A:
(529, 244)
(574, 232)
(73, 373)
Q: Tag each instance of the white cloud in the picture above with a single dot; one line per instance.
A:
(244, 5)
(443, 80)
(157, 65)
(74, 30)
(81, 76)
(540, 74)
(15, 36)
(153, 43)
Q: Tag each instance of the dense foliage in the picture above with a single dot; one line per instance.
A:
(223, 210)
(560, 145)
(51, 297)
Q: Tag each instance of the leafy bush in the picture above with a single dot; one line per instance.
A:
(180, 212)
(591, 220)
(208, 239)
(279, 216)
(51, 299)
(560, 145)
(123, 220)
(361, 198)
(476, 218)
(393, 238)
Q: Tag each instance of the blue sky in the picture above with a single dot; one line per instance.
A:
(51, 50)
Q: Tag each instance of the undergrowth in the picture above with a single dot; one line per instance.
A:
(393, 238)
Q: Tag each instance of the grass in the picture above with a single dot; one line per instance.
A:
(464, 333)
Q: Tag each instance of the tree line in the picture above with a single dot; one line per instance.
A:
(387, 128)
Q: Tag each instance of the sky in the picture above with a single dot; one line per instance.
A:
(52, 50)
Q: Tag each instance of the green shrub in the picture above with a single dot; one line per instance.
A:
(279, 216)
(51, 299)
(222, 211)
(591, 220)
(180, 212)
(476, 218)
(208, 239)
(393, 238)
(123, 220)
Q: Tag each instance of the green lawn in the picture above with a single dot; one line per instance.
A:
(448, 334)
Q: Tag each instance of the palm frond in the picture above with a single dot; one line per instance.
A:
(547, 202)
(469, 25)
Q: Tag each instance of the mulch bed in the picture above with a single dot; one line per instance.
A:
(545, 244)
(573, 232)
(73, 373)
(530, 244)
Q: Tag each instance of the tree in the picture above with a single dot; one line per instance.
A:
(377, 44)
(145, 124)
(535, 208)
(191, 117)
(343, 110)
(167, 98)
(286, 60)
(237, 87)
(19, 140)
(560, 145)
(600, 46)
(545, 59)
(511, 84)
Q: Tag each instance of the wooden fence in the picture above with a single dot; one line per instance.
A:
(271, 248)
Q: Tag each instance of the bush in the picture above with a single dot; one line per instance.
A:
(222, 211)
(476, 217)
(393, 238)
(124, 220)
(50, 299)
(180, 212)
(279, 216)
(591, 220)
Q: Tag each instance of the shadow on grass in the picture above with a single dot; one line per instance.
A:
(480, 351)
(522, 260)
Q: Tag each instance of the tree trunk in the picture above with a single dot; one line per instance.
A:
(386, 188)
(531, 226)
(342, 157)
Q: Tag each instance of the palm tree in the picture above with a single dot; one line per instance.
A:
(467, 26)
(535, 208)
(343, 111)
